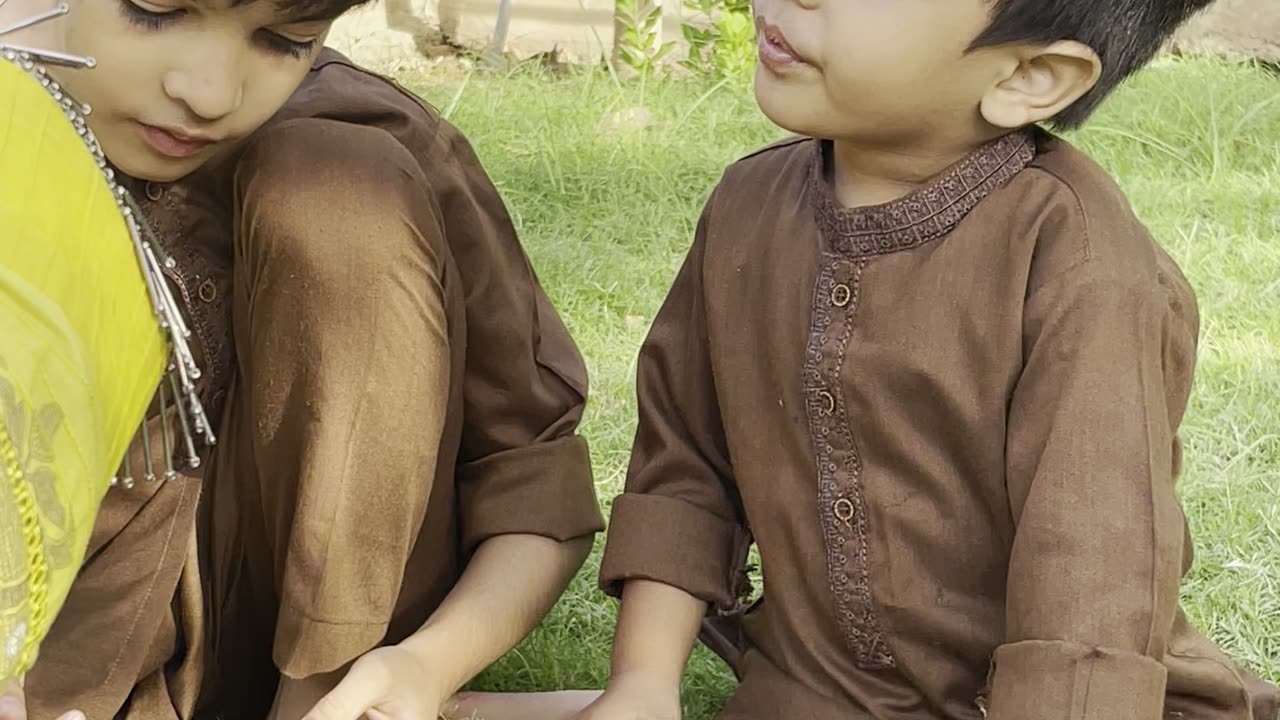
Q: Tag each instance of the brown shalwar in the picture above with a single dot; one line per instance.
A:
(394, 388)
(949, 424)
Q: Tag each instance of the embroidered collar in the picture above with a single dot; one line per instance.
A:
(926, 214)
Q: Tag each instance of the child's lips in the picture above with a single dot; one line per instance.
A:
(174, 143)
(775, 52)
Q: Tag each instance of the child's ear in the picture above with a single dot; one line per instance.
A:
(1046, 80)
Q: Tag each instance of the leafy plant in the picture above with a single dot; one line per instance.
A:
(638, 24)
(721, 37)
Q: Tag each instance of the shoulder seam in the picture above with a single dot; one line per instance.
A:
(416, 100)
(785, 143)
(409, 95)
(1078, 207)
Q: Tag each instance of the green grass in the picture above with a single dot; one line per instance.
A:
(607, 216)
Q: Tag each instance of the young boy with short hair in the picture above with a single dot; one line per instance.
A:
(928, 360)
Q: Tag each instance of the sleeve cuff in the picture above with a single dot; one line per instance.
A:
(668, 540)
(544, 489)
(1056, 680)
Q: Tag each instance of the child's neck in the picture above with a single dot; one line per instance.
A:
(863, 176)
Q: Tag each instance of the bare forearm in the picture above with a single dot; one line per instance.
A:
(657, 626)
(511, 583)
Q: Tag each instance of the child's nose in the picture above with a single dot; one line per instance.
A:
(211, 88)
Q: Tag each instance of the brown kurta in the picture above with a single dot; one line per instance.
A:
(949, 424)
(398, 390)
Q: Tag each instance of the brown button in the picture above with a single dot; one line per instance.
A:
(843, 509)
(208, 291)
(828, 401)
(841, 295)
(154, 191)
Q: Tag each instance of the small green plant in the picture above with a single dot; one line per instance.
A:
(638, 45)
(721, 38)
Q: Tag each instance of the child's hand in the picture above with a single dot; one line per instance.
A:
(389, 683)
(634, 699)
(13, 704)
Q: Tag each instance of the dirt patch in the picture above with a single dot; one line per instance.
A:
(1245, 29)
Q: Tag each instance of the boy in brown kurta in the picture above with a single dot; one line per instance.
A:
(398, 480)
(929, 362)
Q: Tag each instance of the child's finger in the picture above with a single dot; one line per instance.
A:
(12, 704)
(362, 689)
(341, 704)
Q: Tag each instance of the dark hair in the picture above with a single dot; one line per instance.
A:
(1126, 35)
(312, 9)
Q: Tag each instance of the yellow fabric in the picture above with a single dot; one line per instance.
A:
(81, 355)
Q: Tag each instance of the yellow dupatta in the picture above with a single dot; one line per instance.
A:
(81, 355)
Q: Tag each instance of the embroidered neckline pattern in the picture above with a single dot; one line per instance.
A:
(925, 215)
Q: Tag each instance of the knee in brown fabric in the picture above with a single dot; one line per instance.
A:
(342, 346)
(314, 193)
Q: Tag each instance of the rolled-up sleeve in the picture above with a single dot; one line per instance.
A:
(1093, 454)
(523, 467)
(680, 520)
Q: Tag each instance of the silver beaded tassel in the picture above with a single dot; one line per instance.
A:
(178, 386)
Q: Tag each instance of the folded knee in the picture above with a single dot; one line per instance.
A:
(330, 199)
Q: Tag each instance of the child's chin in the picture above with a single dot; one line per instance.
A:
(787, 110)
(143, 166)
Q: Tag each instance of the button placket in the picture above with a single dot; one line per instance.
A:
(197, 240)
(843, 508)
(840, 494)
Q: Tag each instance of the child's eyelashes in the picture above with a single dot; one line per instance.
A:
(285, 46)
(272, 42)
(148, 18)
